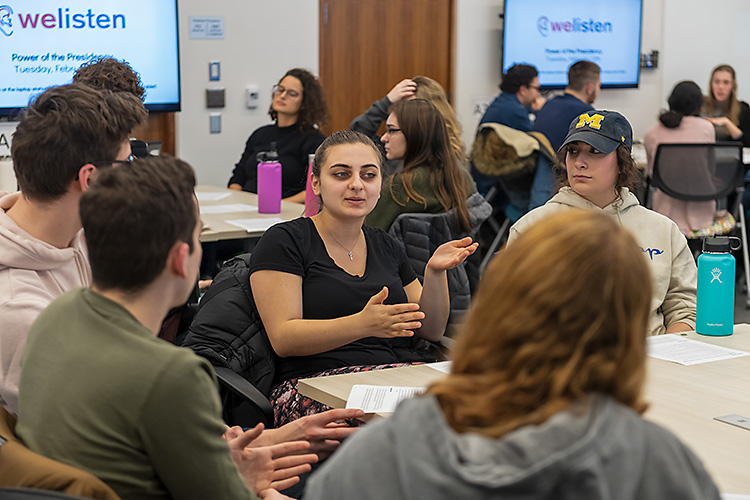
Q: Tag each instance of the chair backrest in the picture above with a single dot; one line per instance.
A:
(698, 172)
(22, 468)
(420, 234)
(227, 331)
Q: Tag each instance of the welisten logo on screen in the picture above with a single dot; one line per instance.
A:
(63, 19)
(577, 25)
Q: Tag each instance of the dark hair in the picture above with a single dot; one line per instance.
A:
(133, 215)
(582, 73)
(517, 76)
(428, 146)
(629, 176)
(65, 128)
(314, 111)
(686, 99)
(342, 138)
(107, 73)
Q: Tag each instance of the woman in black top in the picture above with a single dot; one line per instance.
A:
(730, 116)
(299, 111)
(333, 294)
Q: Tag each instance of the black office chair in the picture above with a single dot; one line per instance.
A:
(228, 332)
(421, 233)
(704, 172)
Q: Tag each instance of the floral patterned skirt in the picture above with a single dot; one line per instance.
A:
(289, 404)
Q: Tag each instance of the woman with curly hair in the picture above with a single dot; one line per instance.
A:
(545, 394)
(598, 173)
(299, 112)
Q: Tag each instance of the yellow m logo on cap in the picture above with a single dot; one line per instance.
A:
(592, 121)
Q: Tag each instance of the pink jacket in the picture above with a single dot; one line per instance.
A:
(32, 274)
(688, 215)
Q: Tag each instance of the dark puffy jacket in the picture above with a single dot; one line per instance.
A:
(227, 329)
(420, 234)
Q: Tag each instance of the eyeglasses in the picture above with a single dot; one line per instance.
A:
(391, 130)
(535, 87)
(279, 91)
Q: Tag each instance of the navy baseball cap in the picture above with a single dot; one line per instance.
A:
(603, 130)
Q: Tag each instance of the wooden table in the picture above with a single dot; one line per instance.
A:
(684, 399)
(218, 229)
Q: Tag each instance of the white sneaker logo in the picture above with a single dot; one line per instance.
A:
(716, 272)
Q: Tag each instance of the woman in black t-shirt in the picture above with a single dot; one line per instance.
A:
(299, 111)
(334, 295)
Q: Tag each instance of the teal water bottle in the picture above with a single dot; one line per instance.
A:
(716, 266)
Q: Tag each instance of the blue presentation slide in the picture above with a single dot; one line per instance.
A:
(43, 42)
(553, 34)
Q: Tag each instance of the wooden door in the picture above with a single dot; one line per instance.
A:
(160, 127)
(367, 46)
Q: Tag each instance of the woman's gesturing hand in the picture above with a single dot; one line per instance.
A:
(384, 320)
(452, 254)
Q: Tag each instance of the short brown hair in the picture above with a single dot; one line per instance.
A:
(65, 128)
(582, 73)
(561, 313)
(314, 111)
(107, 73)
(132, 215)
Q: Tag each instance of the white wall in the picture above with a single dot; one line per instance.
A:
(697, 39)
(255, 51)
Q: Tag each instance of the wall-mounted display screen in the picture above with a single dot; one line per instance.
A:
(43, 42)
(553, 34)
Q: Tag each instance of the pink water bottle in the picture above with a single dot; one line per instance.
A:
(312, 201)
(269, 182)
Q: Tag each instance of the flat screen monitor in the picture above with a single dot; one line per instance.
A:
(553, 34)
(43, 42)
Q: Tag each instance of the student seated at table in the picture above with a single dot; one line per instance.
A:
(598, 173)
(729, 115)
(299, 111)
(545, 395)
(334, 295)
(100, 392)
(682, 124)
(432, 180)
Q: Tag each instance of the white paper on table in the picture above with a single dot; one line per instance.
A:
(253, 225)
(688, 352)
(730, 496)
(442, 366)
(228, 209)
(212, 196)
(379, 398)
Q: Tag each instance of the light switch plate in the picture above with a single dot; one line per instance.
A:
(214, 71)
(215, 123)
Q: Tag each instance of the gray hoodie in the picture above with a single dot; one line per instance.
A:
(673, 271)
(32, 274)
(603, 451)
